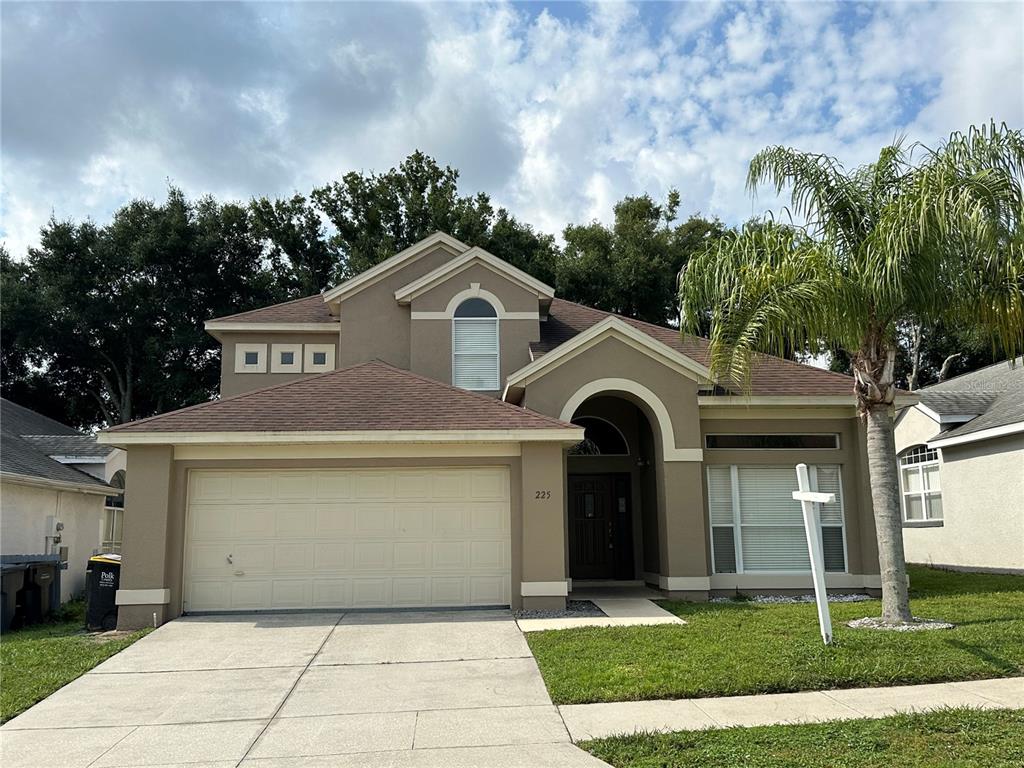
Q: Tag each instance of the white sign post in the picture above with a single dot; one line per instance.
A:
(808, 501)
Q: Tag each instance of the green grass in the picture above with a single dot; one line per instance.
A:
(743, 647)
(953, 738)
(37, 660)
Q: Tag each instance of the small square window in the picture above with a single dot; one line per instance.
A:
(287, 358)
(319, 358)
(252, 358)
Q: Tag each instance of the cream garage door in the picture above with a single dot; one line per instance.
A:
(352, 538)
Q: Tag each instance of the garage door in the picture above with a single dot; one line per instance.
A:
(262, 540)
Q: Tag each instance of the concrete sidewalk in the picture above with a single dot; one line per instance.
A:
(619, 612)
(593, 721)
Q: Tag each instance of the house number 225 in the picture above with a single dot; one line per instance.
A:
(543, 495)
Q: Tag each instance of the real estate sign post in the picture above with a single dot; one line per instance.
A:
(809, 501)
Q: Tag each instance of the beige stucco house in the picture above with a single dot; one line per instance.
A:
(442, 430)
(961, 456)
(56, 494)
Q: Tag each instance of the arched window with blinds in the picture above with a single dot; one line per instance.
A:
(475, 356)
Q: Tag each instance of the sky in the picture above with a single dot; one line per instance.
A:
(556, 110)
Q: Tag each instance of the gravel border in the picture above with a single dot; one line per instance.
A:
(917, 625)
(573, 609)
(785, 599)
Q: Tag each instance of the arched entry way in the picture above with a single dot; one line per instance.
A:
(612, 489)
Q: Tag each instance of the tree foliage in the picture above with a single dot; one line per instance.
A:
(105, 324)
(631, 267)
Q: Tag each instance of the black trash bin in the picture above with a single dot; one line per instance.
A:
(102, 576)
(29, 588)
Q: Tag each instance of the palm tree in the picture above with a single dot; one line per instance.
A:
(933, 235)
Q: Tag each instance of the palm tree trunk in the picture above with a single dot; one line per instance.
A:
(882, 471)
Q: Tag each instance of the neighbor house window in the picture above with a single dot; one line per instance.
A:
(757, 526)
(319, 358)
(113, 517)
(252, 358)
(475, 346)
(828, 440)
(919, 483)
(287, 358)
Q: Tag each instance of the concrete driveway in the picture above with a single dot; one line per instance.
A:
(354, 689)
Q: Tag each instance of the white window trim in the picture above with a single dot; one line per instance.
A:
(261, 363)
(115, 546)
(924, 492)
(497, 346)
(310, 349)
(738, 526)
(276, 366)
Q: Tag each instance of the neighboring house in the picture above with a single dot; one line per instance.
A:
(58, 488)
(441, 430)
(961, 455)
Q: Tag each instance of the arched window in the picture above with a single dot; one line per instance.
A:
(475, 346)
(600, 438)
(919, 483)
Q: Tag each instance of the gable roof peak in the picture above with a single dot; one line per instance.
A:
(473, 255)
(390, 264)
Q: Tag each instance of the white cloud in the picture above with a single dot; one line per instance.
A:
(557, 113)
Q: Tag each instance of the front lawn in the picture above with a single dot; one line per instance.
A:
(963, 738)
(742, 647)
(37, 660)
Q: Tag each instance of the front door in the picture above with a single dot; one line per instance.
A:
(600, 527)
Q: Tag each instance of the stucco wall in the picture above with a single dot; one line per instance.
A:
(912, 427)
(431, 338)
(154, 533)
(232, 383)
(26, 517)
(376, 327)
(982, 506)
(612, 358)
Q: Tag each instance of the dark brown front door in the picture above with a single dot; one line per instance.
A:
(600, 535)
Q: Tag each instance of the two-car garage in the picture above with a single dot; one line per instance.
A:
(347, 538)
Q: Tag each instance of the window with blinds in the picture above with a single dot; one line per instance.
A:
(475, 363)
(757, 526)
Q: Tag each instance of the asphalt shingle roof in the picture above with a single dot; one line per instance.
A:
(770, 375)
(25, 441)
(68, 445)
(995, 393)
(368, 396)
(310, 309)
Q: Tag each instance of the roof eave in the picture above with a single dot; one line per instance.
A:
(97, 489)
(977, 436)
(567, 435)
(610, 326)
(421, 285)
(371, 275)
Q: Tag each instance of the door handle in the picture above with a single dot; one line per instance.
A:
(239, 573)
(230, 559)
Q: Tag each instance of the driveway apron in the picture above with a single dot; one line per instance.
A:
(396, 689)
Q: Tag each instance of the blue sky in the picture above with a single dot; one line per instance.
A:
(556, 110)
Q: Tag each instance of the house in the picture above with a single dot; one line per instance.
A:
(58, 489)
(442, 430)
(961, 465)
